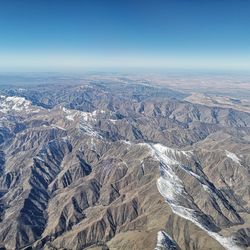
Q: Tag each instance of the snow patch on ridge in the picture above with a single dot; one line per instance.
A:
(86, 116)
(86, 128)
(172, 189)
(91, 116)
(164, 241)
(113, 121)
(14, 103)
(233, 157)
(70, 114)
(85, 119)
(172, 152)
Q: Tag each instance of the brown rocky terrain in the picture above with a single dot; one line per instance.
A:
(121, 166)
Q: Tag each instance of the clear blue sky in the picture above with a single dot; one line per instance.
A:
(61, 34)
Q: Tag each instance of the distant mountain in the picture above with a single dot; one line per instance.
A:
(121, 166)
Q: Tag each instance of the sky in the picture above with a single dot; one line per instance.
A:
(57, 35)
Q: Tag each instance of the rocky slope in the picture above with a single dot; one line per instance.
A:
(121, 166)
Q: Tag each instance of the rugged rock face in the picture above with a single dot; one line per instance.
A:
(108, 166)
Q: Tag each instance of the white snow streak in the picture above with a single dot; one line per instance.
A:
(164, 241)
(233, 157)
(172, 189)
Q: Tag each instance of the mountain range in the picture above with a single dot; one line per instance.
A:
(113, 165)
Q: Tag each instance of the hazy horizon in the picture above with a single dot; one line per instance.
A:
(93, 35)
